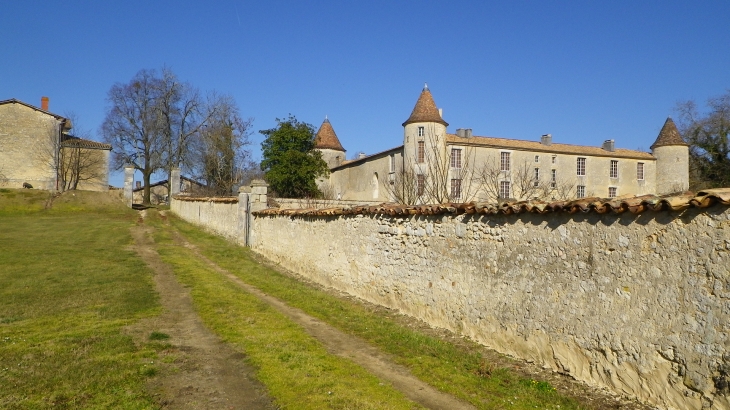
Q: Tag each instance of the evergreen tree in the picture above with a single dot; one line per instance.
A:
(290, 162)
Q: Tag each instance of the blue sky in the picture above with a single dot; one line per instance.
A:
(583, 71)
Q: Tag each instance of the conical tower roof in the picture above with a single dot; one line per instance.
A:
(669, 135)
(326, 137)
(425, 110)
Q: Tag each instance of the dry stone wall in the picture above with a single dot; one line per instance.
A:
(639, 304)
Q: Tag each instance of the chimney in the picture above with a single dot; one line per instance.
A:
(467, 133)
(139, 184)
(361, 155)
(609, 145)
(546, 139)
(460, 132)
(44, 103)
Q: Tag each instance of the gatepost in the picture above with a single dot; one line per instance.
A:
(250, 199)
(174, 181)
(128, 183)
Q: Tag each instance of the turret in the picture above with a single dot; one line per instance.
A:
(672, 160)
(328, 144)
(424, 132)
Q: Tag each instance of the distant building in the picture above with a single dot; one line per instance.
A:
(159, 190)
(433, 165)
(33, 144)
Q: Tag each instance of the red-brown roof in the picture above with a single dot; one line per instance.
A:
(425, 110)
(669, 135)
(552, 148)
(634, 205)
(326, 137)
(76, 142)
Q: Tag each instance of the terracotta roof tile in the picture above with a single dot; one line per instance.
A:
(669, 135)
(76, 142)
(326, 137)
(634, 205)
(552, 148)
(425, 110)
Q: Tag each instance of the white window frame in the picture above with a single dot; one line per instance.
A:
(421, 131)
(537, 158)
(613, 169)
(580, 166)
(504, 189)
(612, 192)
(505, 161)
(580, 191)
(640, 171)
(456, 158)
(554, 159)
(392, 163)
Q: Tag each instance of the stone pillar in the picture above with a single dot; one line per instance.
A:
(128, 184)
(174, 182)
(257, 201)
(244, 215)
(258, 198)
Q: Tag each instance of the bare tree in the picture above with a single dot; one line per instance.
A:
(402, 185)
(79, 158)
(132, 126)
(223, 157)
(521, 182)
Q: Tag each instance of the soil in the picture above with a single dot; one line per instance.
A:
(198, 371)
(205, 373)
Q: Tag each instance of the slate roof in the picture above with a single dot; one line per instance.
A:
(76, 142)
(552, 148)
(326, 137)
(425, 110)
(669, 135)
(634, 205)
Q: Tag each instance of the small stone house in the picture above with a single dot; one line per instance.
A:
(36, 148)
(159, 190)
(462, 167)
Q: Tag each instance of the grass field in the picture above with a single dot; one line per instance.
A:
(70, 284)
(67, 289)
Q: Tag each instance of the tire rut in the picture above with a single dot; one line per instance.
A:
(344, 345)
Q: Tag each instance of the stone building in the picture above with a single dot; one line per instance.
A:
(36, 148)
(433, 165)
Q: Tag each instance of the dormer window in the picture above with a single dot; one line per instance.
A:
(421, 132)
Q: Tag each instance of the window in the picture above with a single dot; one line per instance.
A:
(537, 158)
(580, 191)
(420, 184)
(504, 189)
(421, 132)
(640, 171)
(421, 154)
(537, 177)
(581, 167)
(555, 159)
(613, 173)
(392, 163)
(612, 192)
(554, 178)
(504, 161)
(455, 189)
(455, 158)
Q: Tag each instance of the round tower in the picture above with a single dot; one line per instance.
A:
(672, 160)
(328, 144)
(424, 133)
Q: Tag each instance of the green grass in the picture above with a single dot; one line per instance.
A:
(456, 370)
(68, 287)
(297, 369)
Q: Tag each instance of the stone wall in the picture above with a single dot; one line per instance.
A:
(639, 304)
(219, 217)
